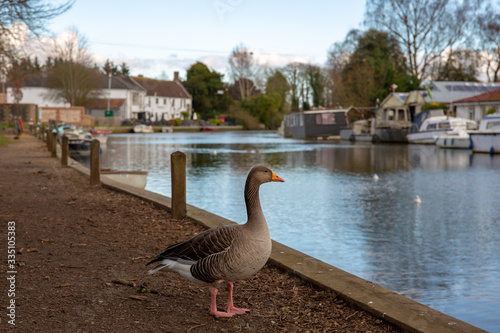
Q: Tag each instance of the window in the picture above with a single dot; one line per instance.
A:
(431, 127)
(173, 102)
(157, 101)
(164, 101)
(471, 112)
(325, 119)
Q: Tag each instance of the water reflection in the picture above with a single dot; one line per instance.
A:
(331, 208)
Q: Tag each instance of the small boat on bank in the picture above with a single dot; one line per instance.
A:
(101, 135)
(78, 140)
(133, 178)
(487, 138)
(431, 124)
(143, 129)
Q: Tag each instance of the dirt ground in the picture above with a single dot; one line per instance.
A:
(81, 252)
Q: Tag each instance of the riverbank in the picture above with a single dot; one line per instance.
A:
(128, 129)
(81, 250)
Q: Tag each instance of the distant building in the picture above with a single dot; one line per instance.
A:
(315, 124)
(475, 107)
(165, 99)
(127, 98)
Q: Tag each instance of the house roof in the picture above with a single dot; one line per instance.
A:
(162, 88)
(448, 91)
(490, 96)
(119, 82)
(102, 103)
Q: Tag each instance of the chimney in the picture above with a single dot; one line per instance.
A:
(176, 76)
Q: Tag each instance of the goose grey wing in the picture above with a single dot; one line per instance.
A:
(207, 243)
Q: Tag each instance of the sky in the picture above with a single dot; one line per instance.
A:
(154, 37)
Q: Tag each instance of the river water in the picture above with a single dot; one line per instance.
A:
(444, 252)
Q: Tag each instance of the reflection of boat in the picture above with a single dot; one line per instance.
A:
(143, 129)
(487, 138)
(78, 140)
(132, 178)
(430, 125)
(101, 135)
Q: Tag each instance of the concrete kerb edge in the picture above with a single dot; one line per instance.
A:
(381, 302)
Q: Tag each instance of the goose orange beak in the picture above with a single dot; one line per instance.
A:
(276, 178)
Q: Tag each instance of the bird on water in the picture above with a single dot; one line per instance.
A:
(227, 253)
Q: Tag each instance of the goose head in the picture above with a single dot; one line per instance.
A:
(261, 174)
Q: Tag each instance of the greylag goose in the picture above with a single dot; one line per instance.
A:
(227, 253)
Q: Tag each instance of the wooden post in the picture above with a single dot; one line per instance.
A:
(42, 133)
(53, 144)
(95, 173)
(48, 137)
(64, 151)
(178, 167)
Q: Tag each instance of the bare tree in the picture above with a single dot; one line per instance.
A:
(73, 78)
(244, 70)
(489, 32)
(424, 28)
(18, 17)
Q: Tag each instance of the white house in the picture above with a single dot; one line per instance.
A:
(475, 107)
(125, 98)
(165, 99)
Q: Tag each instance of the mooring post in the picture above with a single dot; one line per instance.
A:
(53, 144)
(178, 167)
(95, 176)
(48, 137)
(64, 150)
(42, 133)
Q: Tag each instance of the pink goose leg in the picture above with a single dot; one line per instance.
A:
(230, 307)
(213, 305)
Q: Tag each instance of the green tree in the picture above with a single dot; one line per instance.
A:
(124, 69)
(207, 89)
(368, 72)
(110, 67)
(277, 83)
(317, 83)
(265, 108)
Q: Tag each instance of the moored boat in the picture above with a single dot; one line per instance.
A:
(143, 129)
(428, 126)
(101, 135)
(458, 139)
(487, 138)
(78, 140)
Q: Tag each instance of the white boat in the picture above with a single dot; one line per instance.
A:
(167, 129)
(78, 139)
(143, 129)
(458, 139)
(487, 138)
(133, 178)
(434, 126)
